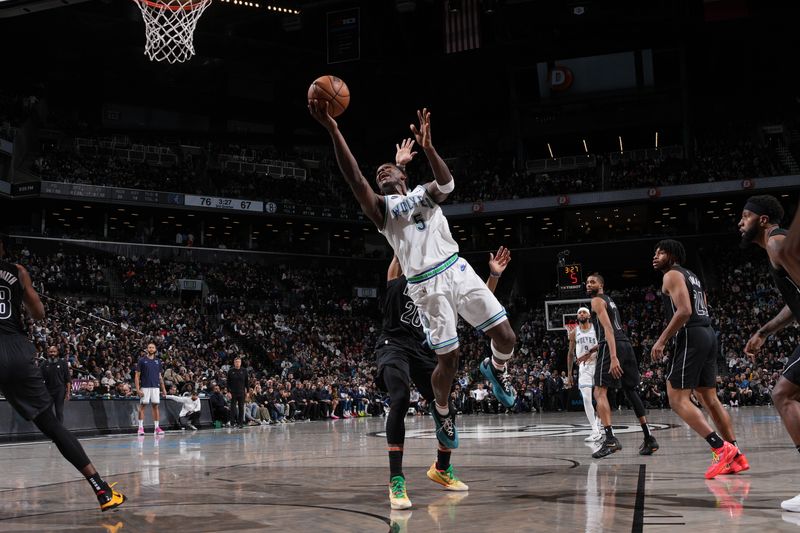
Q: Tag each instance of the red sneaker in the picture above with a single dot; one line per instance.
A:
(741, 462)
(721, 459)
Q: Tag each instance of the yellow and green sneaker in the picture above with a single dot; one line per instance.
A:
(398, 496)
(447, 478)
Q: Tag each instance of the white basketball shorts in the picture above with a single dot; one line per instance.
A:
(448, 290)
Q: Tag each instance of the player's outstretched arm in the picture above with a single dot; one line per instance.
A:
(371, 203)
(676, 289)
(29, 297)
(443, 184)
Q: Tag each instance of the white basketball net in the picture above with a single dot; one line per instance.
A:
(169, 28)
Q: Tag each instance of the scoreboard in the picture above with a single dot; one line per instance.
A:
(570, 279)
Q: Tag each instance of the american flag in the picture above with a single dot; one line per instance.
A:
(462, 29)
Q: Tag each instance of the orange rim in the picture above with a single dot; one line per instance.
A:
(162, 5)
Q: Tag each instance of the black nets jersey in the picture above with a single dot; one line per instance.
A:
(401, 321)
(786, 285)
(616, 322)
(10, 300)
(700, 316)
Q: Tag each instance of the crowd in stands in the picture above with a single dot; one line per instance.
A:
(308, 342)
(481, 176)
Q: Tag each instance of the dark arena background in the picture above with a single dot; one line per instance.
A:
(199, 206)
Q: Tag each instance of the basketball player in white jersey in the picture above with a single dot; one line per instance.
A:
(441, 284)
(583, 343)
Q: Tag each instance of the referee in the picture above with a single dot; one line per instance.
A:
(57, 378)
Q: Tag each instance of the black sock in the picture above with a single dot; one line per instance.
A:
(98, 485)
(798, 447)
(714, 440)
(645, 430)
(442, 459)
(609, 431)
(395, 463)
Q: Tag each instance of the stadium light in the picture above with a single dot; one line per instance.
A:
(620, 143)
(549, 149)
(585, 148)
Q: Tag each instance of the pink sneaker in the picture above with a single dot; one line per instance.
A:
(158, 431)
(334, 417)
(141, 431)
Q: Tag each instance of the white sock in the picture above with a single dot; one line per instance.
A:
(444, 411)
(156, 424)
(141, 424)
(500, 356)
(586, 392)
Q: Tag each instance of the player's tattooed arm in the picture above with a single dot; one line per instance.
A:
(756, 342)
(789, 254)
(570, 351)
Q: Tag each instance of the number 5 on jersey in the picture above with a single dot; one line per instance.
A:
(420, 222)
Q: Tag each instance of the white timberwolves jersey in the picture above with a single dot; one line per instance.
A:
(584, 342)
(417, 231)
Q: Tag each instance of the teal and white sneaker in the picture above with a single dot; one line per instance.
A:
(446, 430)
(501, 384)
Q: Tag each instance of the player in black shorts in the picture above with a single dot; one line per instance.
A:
(21, 381)
(403, 355)
(616, 367)
(759, 224)
(694, 358)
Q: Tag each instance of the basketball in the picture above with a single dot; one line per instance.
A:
(332, 89)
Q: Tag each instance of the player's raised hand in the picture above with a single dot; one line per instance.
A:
(423, 132)
(319, 110)
(404, 154)
(498, 262)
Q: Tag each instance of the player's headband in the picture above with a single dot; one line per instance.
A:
(585, 309)
(755, 208)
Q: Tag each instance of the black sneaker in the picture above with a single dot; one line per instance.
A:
(649, 446)
(609, 446)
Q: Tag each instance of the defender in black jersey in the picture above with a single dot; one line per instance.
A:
(21, 381)
(694, 358)
(403, 355)
(616, 366)
(759, 224)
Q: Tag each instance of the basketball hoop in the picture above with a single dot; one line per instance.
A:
(169, 28)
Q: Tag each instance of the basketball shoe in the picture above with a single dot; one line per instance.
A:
(792, 505)
(609, 446)
(446, 478)
(446, 430)
(649, 446)
(720, 459)
(501, 384)
(110, 498)
(398, 496)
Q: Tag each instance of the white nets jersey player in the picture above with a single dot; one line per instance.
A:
(441, 284)
(585, 340)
